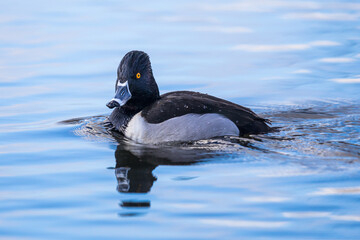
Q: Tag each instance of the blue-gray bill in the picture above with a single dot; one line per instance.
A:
(122, 95)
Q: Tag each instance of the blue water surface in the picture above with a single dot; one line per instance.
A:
(62, 176)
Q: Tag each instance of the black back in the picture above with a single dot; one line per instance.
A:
(175, 104)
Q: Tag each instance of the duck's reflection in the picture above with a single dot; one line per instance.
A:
(135, 164)
(133, 175)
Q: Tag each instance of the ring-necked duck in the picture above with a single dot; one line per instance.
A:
(144, 116)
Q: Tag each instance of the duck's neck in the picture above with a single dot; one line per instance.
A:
(120, 117)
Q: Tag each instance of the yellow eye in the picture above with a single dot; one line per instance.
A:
(138, 75)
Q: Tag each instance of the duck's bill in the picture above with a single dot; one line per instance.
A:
(122, 95)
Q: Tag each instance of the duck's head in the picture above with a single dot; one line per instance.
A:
(135, 86)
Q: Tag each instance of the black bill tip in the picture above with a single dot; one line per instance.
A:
(112, 104)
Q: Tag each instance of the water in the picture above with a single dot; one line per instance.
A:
(296, 63)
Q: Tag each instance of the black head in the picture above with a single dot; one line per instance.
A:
(135, 85)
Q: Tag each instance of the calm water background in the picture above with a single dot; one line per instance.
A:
(295, 62)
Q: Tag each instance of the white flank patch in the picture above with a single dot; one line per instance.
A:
(189, 127)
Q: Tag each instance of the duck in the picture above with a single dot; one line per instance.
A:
(141, 114)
